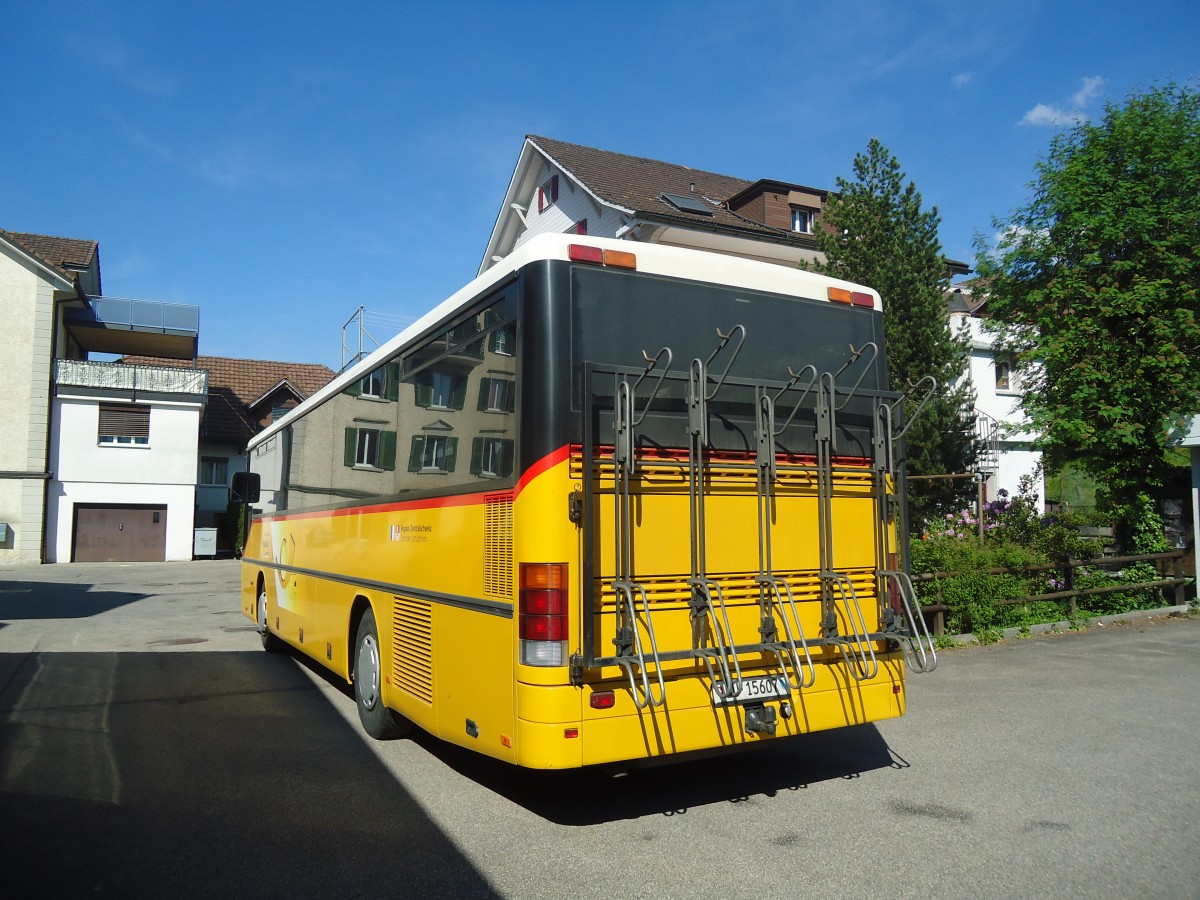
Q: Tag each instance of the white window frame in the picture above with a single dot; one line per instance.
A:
(1006, 377)
(802, 220)
(366, 454)
(209, 466)
(372, 385)
(441, 390)
(433, 453)
(501, 339)
(491, 452)
(498, 394)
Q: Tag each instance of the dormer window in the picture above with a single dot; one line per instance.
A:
(548, 194)
(802, 220)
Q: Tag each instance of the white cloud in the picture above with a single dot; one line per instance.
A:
(1046, 114)
(1087, 91)
(961, 80)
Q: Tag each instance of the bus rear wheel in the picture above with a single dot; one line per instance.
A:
(377, 720)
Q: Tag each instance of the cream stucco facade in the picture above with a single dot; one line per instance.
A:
(28, 294)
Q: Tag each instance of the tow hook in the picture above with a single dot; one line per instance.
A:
(760, 719)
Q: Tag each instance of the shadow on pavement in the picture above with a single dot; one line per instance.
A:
(593, 796)
(202, 774)
(54, 600)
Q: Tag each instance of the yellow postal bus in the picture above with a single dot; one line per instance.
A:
(609, 502)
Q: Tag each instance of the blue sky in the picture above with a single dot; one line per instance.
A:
(279, 164)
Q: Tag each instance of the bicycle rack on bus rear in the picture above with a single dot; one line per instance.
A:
(630, 654)
(901, 619)
(843, 624)
(774, 591)
(622, 397)
(707, 597)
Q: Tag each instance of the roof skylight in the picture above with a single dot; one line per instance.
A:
(689, 204)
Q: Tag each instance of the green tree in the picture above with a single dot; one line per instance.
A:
(876, 233)
(1095, 288)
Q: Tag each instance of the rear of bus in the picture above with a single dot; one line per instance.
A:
(704, 533)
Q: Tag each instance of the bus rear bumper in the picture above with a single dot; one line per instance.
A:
(689, 721)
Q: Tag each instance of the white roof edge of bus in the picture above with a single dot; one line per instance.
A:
(654, 259)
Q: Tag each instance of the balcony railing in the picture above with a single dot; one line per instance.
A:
(138, 379)
(138, 327)
(169, 318)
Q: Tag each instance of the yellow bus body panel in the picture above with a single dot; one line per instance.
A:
(450, 649)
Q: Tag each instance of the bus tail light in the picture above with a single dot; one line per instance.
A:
(542, 617)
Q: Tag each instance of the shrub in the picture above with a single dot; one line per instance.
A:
(1015, 537)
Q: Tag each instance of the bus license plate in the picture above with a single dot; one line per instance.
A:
(753, 690)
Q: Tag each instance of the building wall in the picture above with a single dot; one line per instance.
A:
(1017, 457)
(572, 206)
(27, 308)
(213, 500)
(162, 472)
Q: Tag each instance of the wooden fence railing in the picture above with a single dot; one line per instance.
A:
(1069, 595)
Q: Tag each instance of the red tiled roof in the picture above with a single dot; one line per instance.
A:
(233, 384)
(56, 252)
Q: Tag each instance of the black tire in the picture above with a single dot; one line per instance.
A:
(377, 720)
(271, 642)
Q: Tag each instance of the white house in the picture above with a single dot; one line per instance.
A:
(1008, 454)
(99, 459)
(123, 461)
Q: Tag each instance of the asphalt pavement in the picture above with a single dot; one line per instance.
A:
(150, 748)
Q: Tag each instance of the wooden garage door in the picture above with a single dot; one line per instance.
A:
(120, 534)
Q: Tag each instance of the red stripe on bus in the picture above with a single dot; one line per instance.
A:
(543, 465)
(426, 503)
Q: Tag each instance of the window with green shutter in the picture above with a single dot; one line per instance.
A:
(491, 457)
(496, 395)
(433, 453)
(370, 448)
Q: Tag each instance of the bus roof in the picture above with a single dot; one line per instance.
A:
(654, 259)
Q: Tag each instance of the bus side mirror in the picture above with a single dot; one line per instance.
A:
(245, 487)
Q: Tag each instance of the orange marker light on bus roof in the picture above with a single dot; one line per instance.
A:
(620, 259)
(840, 295)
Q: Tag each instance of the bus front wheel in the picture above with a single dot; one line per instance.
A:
(270, 642)
(377, 720)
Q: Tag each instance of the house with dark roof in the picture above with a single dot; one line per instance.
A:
(560, 187)
(244, 396)
(98, 460)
